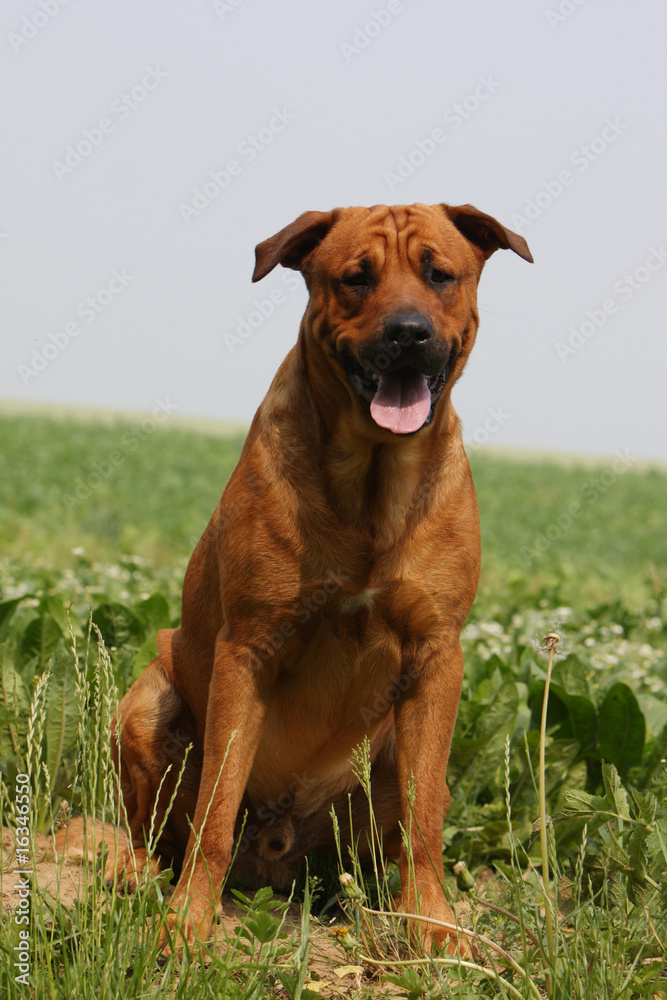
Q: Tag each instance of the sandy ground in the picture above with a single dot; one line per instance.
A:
(58, 866)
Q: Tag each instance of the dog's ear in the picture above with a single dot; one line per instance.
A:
(486, 232)
(291, 245)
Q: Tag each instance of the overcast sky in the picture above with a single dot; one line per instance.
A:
(152, 144)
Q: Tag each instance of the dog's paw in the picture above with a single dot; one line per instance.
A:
(430, 902)
(127, 867)
(450, 942)
(189, 924)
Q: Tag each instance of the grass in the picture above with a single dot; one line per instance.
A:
(166, 485)
(120, 547)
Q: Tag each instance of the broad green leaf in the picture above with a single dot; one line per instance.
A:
(560, 757)
(16, 701)
(582, 719)
(616, 793)
(656, 842)
(154, 612)
(572, 675)
(622, 729)
(595, 810)
(501, 714)
(119, 625)
(264, 898)
(474, 763)
(63, 711)
(574, 714)
(647, 806)
(147, 653)
(54, 606)
(263, 926)
(410, 981)
(7, 609)
(40, 640)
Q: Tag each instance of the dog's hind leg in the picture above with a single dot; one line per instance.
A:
(156, 727)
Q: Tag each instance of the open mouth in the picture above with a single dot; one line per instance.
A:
(403, 400)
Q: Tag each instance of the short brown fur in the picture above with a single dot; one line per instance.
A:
(324, 602)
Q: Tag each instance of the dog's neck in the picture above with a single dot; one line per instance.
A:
(381, 489)
(387, 486)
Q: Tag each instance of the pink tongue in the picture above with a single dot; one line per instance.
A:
(402, 401)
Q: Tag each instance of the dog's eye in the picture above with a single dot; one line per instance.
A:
(357, 280)
(439, 277)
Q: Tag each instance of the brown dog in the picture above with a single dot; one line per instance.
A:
(325, 599)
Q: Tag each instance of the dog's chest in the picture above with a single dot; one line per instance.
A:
(339, 680)
(348, 650)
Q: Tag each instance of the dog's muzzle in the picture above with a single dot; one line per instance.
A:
(400, 377)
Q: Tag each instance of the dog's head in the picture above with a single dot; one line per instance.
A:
(393, 300)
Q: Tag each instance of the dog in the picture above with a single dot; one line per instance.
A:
(324, 601)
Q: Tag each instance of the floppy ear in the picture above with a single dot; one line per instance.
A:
(486, 232)
(291, 245)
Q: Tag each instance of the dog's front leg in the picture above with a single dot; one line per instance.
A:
(425, 719)
(234, 723)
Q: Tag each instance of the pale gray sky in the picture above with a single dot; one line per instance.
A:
(116, 113)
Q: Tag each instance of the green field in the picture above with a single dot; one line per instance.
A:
(103, 517)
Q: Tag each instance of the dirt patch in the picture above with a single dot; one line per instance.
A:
(57, 862)
(60, 870)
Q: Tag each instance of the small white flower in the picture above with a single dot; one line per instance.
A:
(616, 629)
(492, 628)
(590, 641)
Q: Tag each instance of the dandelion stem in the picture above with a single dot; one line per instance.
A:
(550, 643)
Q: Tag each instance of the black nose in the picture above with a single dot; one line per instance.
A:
(408, 328)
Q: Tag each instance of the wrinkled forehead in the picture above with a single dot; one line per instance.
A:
(383, 232)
